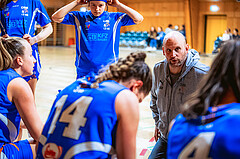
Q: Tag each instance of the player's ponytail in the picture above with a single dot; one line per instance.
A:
(133, 66)
(9, 49)
(5, 57)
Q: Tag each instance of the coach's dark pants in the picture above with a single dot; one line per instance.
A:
(160, 150)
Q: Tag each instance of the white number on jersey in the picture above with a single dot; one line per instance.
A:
(58, 106)
(199, 146)
(73, 115)
(76, 119)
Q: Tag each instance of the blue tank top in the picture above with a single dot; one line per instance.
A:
(82, 122)
(9, 116)
(215, 135)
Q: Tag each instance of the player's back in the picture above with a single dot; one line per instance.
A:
(216, 135)
(82, 123)
(9, 116)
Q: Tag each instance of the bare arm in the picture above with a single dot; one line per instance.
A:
(59, 15)
(20, 93)
(137, 17)
(127, 109)
(47, 30)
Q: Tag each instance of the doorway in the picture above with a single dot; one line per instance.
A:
(215, 25)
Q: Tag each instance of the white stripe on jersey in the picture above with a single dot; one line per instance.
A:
(3, 156)
(89, 146)
(114, 34)
(42, 139)
(79, 36)
(11, 127)
(33, 17)
(37, 61)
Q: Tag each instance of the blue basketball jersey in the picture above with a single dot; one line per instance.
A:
(97, 38)
(9, 116)
(19, 18)
(215, 135)
(82, 122)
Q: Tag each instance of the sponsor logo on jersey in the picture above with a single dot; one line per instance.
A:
(87, 24)
(78, 90)
(6, 15)
(97, 36)
(16, 24)
(106, 25)
(52, 151)
(24, 10)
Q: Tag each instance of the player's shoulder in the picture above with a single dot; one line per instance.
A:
(227, 125)
(227, 134)
(115, 15)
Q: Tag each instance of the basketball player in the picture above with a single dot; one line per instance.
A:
(209, 124)
(17, 100)
(97, 32)
(18, 19)
(99, 122)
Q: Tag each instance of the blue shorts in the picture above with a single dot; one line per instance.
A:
(37, 66)
(17, 150)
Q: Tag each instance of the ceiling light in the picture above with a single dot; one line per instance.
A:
(214, 8)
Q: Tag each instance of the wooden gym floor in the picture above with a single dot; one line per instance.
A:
(58, 71)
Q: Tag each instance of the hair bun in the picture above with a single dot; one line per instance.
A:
(139, 56)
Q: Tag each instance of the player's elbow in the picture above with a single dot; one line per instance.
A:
(138, 20)
(56, 19)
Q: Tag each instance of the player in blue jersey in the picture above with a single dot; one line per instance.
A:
(209, 124)
(17, 100)
(18, 19)
(98, 119)
(97, 32)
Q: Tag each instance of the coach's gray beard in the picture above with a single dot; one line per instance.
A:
(178, 64)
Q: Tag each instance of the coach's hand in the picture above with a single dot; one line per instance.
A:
(156, 134)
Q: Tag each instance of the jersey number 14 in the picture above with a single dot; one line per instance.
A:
(74, 119)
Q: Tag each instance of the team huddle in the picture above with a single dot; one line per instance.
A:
(194, 107)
